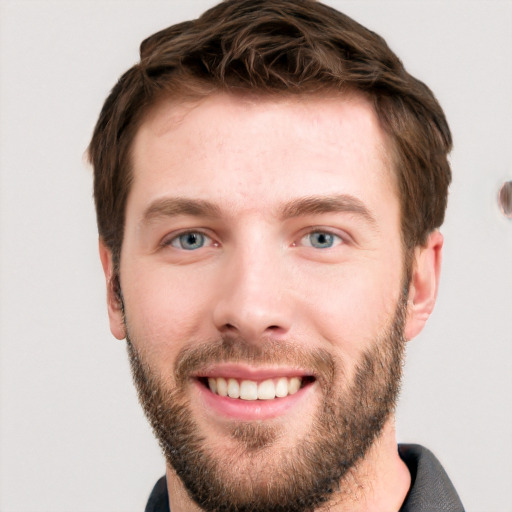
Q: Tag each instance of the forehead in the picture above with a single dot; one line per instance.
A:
(250, 150)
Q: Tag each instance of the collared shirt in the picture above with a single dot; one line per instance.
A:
(431, 489)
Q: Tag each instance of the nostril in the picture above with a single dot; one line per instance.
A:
(227, 328)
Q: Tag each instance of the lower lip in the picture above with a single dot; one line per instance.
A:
(250, 410)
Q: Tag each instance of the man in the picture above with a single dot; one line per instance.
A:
(269, 182)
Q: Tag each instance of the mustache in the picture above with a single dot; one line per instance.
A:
(192, 360)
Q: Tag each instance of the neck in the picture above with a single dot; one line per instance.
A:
(179, 500)
(378, 483)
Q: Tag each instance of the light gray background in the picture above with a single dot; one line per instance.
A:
(72, 437)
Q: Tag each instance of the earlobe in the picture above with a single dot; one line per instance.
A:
(426, 270)
(114, 302)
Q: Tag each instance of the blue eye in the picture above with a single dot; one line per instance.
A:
(189, 241)
(321, 240)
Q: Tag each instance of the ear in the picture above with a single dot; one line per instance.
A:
(114, 303)
(426, 270)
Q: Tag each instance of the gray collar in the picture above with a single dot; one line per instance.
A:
(431, 489)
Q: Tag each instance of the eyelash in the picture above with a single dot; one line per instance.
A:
(176, 238)
(334, 238)
(176, 241)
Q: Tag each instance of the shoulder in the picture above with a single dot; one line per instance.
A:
(431, 488)
(158, 499)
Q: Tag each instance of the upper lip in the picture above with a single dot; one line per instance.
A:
(248, 372)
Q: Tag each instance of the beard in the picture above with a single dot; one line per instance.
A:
(258, 470)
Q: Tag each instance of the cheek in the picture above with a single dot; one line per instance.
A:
(165, 310)
(353, 308)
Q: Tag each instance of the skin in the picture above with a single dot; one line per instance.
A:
(258, 276)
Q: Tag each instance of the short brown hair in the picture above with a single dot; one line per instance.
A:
(276, 47)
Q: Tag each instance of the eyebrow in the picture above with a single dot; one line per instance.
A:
(340, 203)
(173, 206)
(311, 205)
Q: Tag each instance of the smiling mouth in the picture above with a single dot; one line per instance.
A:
(251, 390)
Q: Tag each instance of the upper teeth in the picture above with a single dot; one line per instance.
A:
(251, 390)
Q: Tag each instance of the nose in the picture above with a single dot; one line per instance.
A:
(254, 299)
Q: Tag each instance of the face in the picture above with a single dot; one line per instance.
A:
(263, 291)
